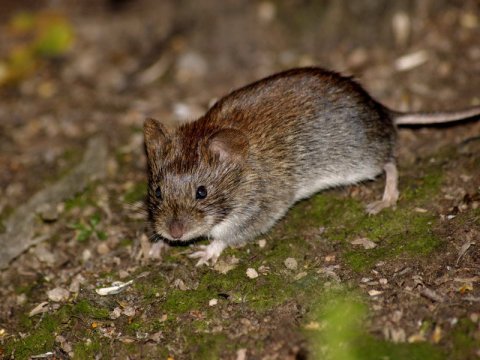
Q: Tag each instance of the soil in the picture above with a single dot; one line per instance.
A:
(328, 282)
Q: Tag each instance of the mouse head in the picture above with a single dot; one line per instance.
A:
(196, 175)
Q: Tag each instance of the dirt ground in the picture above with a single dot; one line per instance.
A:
(328, 282)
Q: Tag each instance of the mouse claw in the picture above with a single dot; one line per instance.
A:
(208, 254)
(377, 206)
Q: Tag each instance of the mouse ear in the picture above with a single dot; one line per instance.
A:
(155, 135)
(229, 144)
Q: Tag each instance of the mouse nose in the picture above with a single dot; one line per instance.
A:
(176, 229)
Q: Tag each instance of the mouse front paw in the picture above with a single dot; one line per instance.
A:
(208, 253)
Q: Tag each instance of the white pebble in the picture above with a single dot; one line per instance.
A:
(374, 292)
(86, 255)
(262, 243)
(252, 273)
(291, 263)
(58, 294)
(213, 302)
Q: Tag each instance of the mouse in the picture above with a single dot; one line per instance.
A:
(230, 175)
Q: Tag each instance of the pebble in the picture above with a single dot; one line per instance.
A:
(241, 354)
(252, 273)
(48, 212)
(129, 311)
(123, 274)
(86, 255)
(115, 314)
(374, 292)
(213, 302)
(330, 258)
(191, 65)
(366, 243)
(262, 243)
(103, 249)
(75, 284)
(58, 294)
(290, 263)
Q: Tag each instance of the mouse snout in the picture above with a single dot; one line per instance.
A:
(176, 228)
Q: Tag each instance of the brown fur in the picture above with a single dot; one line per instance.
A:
(260, 149)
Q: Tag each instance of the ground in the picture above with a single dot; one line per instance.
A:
(77, 80)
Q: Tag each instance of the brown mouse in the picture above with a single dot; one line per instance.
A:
(231, 174)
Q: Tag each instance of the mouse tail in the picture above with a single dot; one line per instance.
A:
(431, 118)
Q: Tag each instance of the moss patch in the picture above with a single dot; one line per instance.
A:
(336, 333)
(137, 192)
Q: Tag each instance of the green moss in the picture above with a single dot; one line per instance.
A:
(81, 200)
(137, 192)
(86, 229)
(339, 334)
(89, 349)
(40, 340)
(84, 307)
(395, 231)
(466, 340)
(424, 186)
(207, 346)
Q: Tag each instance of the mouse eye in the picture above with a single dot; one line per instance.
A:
(201, 193)
(158, 193)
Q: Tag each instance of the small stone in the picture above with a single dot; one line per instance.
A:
(262, 243)
(58, 294)
(122, 274)
(290, 263)
(383, 281)
(366, 243)
(330, 258)
(76, 282)
(312, 325)
(129, 311)
(213, 302)
(115, 314)
(48, 212)
(474, 317)
(103, 249)
(241, 354)
(86, 255)
(252, 273)
(21, 299)
(374, 292)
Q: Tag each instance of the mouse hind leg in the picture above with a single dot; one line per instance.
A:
(390, 194)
